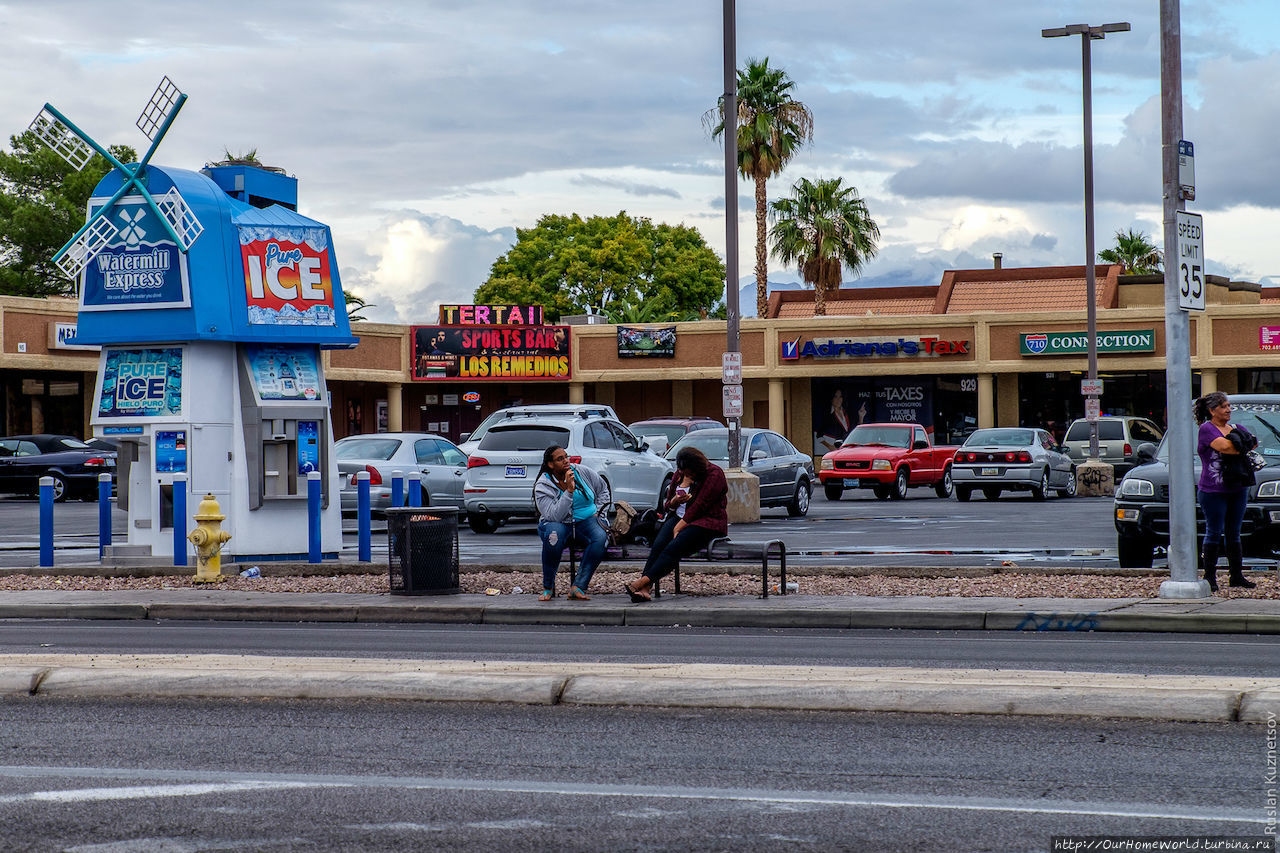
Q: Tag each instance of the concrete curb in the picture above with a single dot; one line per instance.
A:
(897, 689)
(737, 612)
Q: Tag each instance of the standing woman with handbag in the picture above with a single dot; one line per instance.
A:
(1225, 476)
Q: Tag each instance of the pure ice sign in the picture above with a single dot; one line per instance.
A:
(141, 383)
(287, 276)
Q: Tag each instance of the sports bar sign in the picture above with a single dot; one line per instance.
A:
(1076, 343)
(491, 352)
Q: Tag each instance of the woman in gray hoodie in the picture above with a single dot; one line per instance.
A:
(571, 501)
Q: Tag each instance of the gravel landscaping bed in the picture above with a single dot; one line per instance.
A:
(1003, 585)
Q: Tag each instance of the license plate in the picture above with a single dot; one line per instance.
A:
(515, 471)
(990, 472)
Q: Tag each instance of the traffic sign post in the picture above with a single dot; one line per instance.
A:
(1092, 409)
(731, 366)
(1187, 169)
(733, 401)
(1091, 387)
(1190, 233)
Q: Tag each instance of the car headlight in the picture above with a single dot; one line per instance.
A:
(1133, 487)
(827, 464)
(1269, 489)
(881, 465)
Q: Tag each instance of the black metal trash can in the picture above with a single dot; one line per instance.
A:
(422, 548)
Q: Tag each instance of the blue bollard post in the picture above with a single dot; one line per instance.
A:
(415, 488)
(362, 517)
(104, 514)
(313, 516)
(46, 522)
(179, 519)
(397, 488)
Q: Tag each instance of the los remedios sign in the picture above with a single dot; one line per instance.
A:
(491, 352)
(1076, 343)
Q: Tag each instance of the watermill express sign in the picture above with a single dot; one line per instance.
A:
(1077, 343)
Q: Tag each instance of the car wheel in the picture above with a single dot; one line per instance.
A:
(944, 487)
(1039, 492)
(881, 492)
(963, 493)
(59, 487)
(481, 523)
(1069, 491)
(662, 494)
(1134, 552)
(991, 493)
(833, 490)
(900, 483)
(800, 500)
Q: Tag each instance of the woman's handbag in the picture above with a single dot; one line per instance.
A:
(1256, 460)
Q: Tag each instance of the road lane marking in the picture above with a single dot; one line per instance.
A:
(191, 782)
(145, 792)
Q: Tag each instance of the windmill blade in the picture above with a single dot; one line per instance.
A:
(76, 254)
(160, 109)
(175, 210)
(62, 137)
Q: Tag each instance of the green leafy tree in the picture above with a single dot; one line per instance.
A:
(823, 227)
(571, 265)
(1134, 252)
(771, 128)
(43, 201)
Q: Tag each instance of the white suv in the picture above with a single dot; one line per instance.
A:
(502, 469)
(473, 439)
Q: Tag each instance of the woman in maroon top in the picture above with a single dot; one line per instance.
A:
(698, 512)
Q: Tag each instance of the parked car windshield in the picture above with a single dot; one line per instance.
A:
(671, 432)
(1108, 430)
(367, 448)
(879, 435)
(1017, 437)
(1261, 419)
(715, 447)
(524, 438)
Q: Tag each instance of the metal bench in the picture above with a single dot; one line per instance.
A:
(721, 549)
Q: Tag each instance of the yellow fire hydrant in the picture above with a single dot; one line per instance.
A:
(208, 537)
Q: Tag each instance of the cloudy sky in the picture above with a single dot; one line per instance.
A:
(424, 133)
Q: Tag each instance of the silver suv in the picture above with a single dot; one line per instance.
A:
(1119, 437)
(472, 440)
(500, 473)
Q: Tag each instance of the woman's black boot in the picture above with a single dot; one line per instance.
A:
(1209, 560)
(1235, 559)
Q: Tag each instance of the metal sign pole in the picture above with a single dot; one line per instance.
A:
(731, 207)
(1183, 554)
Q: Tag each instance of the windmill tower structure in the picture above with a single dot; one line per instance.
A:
(211, 298)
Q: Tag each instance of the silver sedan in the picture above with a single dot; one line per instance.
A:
(1012, 459)
(441, 464)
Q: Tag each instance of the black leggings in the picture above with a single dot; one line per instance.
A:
(668, 548)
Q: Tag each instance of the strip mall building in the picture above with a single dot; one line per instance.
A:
(995, 347)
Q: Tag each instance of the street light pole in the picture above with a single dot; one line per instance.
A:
(1088, 34)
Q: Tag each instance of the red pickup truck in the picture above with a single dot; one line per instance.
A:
(888, 458)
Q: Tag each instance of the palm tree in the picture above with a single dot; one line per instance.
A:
(1134, 252)
(823, 227)
(355, 305)
(771, 127)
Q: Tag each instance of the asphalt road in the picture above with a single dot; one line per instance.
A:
(1153, 654)
(193, 775)
(922, 530)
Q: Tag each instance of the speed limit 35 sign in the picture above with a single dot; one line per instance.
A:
(1190, 261)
